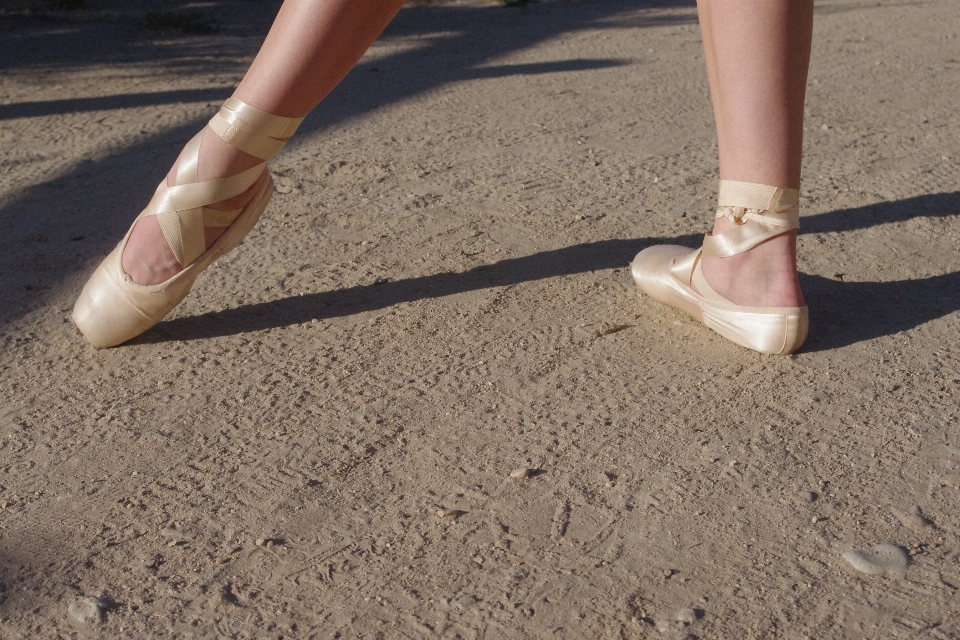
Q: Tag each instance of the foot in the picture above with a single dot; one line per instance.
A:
(764, 276)
(147, 258)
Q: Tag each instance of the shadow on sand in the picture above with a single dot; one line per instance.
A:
(842, 313)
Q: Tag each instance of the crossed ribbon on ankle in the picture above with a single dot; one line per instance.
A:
(775, 210)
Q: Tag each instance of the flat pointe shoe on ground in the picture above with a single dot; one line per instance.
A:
(112, 308)
(666, 272)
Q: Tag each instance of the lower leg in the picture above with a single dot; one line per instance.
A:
(757, 56)
(310, 48)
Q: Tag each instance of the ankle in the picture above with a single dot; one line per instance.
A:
(219, 159)
(147, 258)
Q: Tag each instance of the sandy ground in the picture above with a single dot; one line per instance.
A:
(423, 309)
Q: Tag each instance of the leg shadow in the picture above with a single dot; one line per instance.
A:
(932, 205)
(842, 313)
(607, 254)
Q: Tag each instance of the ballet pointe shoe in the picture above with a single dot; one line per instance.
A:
(112, 308)
(669, 273)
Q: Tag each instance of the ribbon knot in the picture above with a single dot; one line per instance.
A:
(737, 215)
(765, 218)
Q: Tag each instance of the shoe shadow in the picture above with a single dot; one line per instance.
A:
(845, 313)
(842, 313)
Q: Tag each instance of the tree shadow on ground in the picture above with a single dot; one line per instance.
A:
(66, 222)
(450, 44)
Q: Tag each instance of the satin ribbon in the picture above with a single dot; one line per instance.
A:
(251, 130)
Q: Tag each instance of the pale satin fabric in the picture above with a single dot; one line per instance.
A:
(666, 272)
(112, 308)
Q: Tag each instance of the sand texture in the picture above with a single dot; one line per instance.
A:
(319, 441)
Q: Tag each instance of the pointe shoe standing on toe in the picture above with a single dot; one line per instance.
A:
(674, 274)
(112, 308)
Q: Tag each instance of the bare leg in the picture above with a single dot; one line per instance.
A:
(757, 56)
(310, 48)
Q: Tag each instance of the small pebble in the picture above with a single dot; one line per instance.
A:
(260, 542)
(913, 519)
(283, 185)
(815, 519)
(664, 626)
(687, 616)
(520, 473)
(449, 513)
(886, 558)
(87, 610)
(467, 601)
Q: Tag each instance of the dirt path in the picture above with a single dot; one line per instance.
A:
(421, 311)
